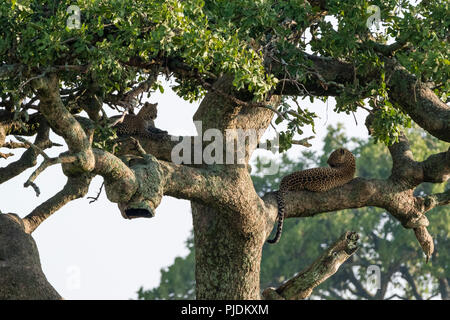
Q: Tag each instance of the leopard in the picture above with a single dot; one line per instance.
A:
(342, 170)
(141, 124)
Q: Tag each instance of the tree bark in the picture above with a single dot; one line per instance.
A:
(21, 276)
(302, 284)
(227, 255)
(444, 288)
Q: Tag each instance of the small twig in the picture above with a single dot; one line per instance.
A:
(26, 145)
(432, 296)
(54, 144)
(119, 120)
(396, 296)
(303, 142)
(98, 194)
(367, 109)
(414, 90)
(271, 124)
(281, 115)
(34, 186)
(23, 84)
(138, 146)
(44, 165)
(354, 117)
(301, 84)
(15, 145)
(32, 145)
(5, 155)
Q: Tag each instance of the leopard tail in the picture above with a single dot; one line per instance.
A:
(281, 206)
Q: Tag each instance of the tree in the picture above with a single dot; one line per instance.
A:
(404, 274)
(244, 60)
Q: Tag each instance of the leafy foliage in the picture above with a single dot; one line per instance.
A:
(119, 41)
(113, 32)
(104, 138)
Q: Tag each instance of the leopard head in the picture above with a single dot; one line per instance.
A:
(341, 157)
(148, 111)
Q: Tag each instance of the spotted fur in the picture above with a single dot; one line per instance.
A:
(141, 124)
(342, 170)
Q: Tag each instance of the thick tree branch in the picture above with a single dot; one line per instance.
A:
(185, 182)
(417, 100)
(139, 182)
(435, 200)
(28, 158)
(132, 182)
(302, 285)
(63, 122)
(181, 181)
(409, 173)
(120, 181)
(358, 193)
(121, 184)
(436, 168)
(388, 50)
(76, 187)
(327, 77)
(160, 146)
(404, 168)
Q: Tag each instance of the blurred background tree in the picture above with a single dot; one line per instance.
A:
(385, 243)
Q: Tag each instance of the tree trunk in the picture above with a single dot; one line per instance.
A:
(444, 288)
(227, 255)
(21, 276)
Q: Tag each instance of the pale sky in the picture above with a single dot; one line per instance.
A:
(88, 251)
